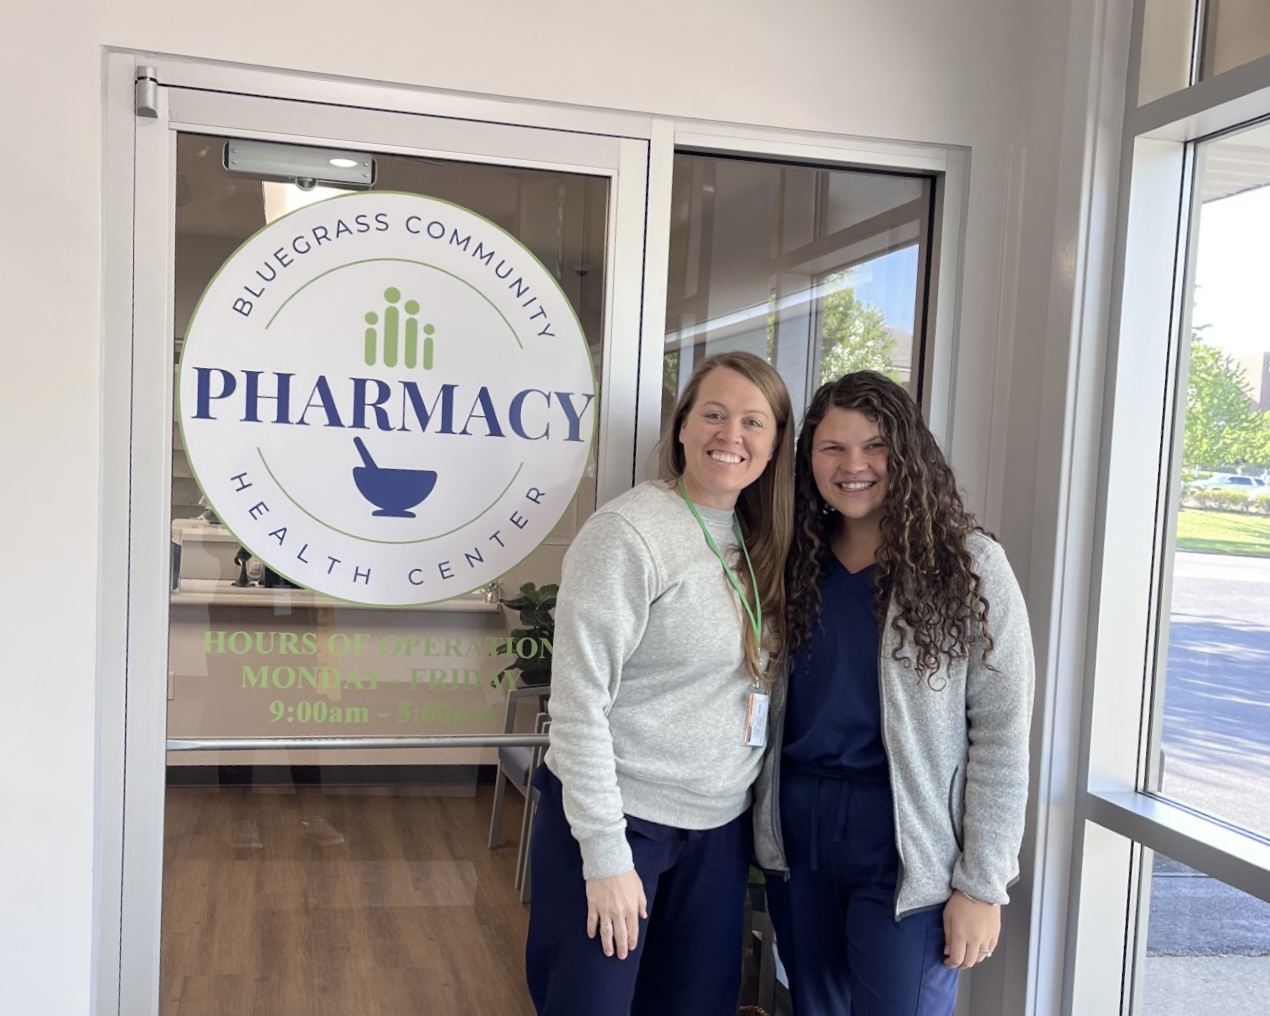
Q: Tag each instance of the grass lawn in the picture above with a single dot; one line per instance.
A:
(1223, 533)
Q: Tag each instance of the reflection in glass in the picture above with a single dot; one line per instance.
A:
(1236, 32)
(1207, 949)
(1168, 41)
(820, 271)
(1214, 732)
(349, 880)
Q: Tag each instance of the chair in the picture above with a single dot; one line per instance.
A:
(515, 767)
(542, 725)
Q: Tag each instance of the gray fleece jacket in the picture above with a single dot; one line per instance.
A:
(958, 756)
(648, 680)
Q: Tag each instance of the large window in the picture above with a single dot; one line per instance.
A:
(1173, 861)
(820, 271)
(1214, 727)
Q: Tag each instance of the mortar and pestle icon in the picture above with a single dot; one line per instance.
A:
(394, 491)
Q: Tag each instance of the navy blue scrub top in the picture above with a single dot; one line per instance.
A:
(833, 722)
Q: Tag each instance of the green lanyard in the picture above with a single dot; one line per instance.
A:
(756, 614)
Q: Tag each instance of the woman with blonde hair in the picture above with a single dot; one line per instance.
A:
(890, 811)
(671, 606)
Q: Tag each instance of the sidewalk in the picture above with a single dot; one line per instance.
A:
(1206, 986)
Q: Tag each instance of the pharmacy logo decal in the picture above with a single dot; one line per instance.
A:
(387, 399)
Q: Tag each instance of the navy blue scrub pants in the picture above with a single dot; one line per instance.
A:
(843, 950)
(688, 960)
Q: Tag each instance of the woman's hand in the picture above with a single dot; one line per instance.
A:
(613, 908)
(971, 930)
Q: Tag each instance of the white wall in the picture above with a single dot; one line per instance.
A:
(948, 71)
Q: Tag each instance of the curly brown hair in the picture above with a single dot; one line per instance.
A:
(922, 560)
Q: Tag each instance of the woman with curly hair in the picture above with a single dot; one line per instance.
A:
(890, 811)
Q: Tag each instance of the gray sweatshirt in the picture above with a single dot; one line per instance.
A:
(958, 756)
(648, 683)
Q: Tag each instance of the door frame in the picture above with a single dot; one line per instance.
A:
(147, 400)
(135, 482)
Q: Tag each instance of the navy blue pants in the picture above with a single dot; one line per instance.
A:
(688, 961)
(843, 950)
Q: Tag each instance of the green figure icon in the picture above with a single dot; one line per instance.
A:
(398, 334)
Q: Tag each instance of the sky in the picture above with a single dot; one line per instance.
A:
(1232, 273)
(888, 283)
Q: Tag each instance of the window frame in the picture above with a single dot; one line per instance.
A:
(1118, 821)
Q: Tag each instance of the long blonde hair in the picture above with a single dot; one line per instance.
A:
(764, 509)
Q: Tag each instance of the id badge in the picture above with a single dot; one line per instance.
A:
(756, 720)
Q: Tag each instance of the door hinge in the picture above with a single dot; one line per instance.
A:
(146, 93)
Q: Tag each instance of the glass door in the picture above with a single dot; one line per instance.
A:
(358, 462)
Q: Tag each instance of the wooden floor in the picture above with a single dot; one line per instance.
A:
(412, 915)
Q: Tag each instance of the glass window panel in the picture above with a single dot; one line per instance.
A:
(1214, 727)
(821, 271)
(1236, 32)
(338, 879)
(1168, 41)
(1207, 946)
(853, 198)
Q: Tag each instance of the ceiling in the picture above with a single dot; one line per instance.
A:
(1237, 163)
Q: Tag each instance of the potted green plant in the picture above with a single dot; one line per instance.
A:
(538, 624)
